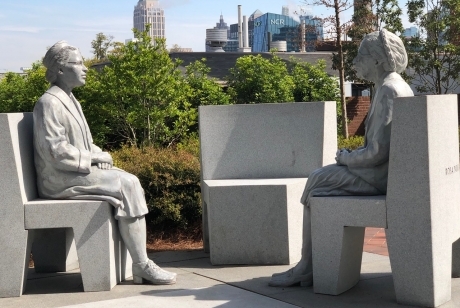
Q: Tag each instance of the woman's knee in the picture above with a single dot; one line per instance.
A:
(130, 180)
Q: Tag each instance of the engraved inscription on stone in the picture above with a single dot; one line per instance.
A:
(450, 170)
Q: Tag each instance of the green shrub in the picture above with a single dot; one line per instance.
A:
(171, 181)
(351, 143)
(190, 145)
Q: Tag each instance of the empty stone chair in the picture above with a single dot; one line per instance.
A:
(255, 161)
(421, 211)
(88, 226)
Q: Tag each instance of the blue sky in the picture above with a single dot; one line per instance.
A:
(27, 27)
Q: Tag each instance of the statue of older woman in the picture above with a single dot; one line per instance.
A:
(70, 166)
(381, 57)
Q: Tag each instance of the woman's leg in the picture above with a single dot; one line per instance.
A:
(133, 232)
(303, 272)
(331, 180)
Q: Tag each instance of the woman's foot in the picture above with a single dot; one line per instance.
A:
(153, 273)
(291, 278)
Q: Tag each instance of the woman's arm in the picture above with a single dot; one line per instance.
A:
(51, 139)
(377, 149)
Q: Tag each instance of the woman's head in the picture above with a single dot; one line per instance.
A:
(56, 57)
(385, 48)
(64, 63)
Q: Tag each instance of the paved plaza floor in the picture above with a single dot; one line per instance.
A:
(201, 285)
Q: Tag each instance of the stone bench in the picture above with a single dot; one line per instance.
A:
(255, 161)
(421, 211)
(58, 227)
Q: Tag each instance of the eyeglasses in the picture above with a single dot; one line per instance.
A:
(78, 63)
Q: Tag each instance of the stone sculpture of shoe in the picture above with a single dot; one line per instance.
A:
(289, 279)
(152, 273)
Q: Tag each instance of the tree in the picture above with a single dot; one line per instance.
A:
(19, 92)
(337, 29)
(203, 90)
(369, 16)
(116, 48)
(12, 92)
(312, 83)
(255, 79)
(434, 56)
(141, 96)
(101, 45)
(175, 48)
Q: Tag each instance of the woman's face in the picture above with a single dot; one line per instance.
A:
(364, 65)
(73, 73)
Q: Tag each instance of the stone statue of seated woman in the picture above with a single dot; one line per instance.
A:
(364, 171)
(70, 166)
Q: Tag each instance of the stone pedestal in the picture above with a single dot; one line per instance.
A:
(255, 221)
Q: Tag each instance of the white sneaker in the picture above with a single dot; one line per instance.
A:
(152, 273)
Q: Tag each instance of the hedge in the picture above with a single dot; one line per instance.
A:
(171, 181)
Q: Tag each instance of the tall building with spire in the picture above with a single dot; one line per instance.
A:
(222, 24)
(150, 12)
(230, 44)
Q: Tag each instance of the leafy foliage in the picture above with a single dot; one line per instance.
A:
(18, 93)
(434, 56)
(203, 90)
(312, 83)
(351, 143)
(255, 80)
(171, 181)
(101, 45)
(142, 96)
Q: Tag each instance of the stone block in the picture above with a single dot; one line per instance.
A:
(265, 141)
(423, 196)
(104, 260)
(255, 221)
(338, 225)
(14, 255)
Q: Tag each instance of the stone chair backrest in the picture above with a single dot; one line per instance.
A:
(257, 141)
(17, 157)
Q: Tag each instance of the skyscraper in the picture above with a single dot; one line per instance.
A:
(232, 44)
(285, 10)
(150, 12)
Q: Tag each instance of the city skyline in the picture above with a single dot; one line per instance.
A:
(28, 28)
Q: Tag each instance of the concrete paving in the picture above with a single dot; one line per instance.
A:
(199, 284)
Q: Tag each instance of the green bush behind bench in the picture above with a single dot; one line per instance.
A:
(171, 181)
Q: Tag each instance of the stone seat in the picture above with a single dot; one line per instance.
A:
(57, 227)
(255, 161)
(420, 212)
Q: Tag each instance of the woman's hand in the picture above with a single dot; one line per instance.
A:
(103, 160)
(340, 156)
